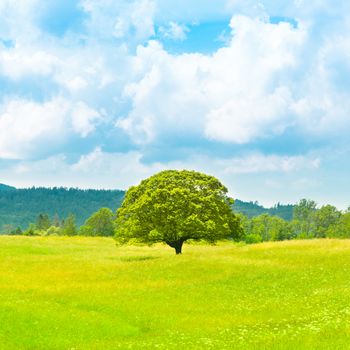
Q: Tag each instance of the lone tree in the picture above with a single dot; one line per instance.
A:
(175, 206)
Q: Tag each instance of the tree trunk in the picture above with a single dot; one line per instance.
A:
(177, 245)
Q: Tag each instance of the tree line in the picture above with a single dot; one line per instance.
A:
(309, 221)
(20, 207)
(101, 223)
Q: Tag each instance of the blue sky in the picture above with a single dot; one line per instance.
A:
(103, 93)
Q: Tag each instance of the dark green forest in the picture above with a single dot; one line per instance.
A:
(20, 207)
(252, 209)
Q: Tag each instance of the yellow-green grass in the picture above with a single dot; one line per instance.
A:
(85, 293)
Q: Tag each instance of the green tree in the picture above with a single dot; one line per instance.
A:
(303, 212)
(16, 232)
(30, 231)
(340, 229)
(100, 223)
(270, 228)
(69, 227)
(251, 238)
(43, 222)
(261, 226)
(324, 218)
(245, 222)
(175, 206)
(280, 229)
(53, 231)
(56, 221)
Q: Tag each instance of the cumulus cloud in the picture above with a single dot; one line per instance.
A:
(264, 81)
(84, 119)
(258, 101)
(15, 63)
(270, 77)
(283, 71)
(237, 94)
(166, 97)
(323, 111)
(243, 120)
(28, 128)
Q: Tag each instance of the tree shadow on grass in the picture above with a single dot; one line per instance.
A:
(138, 258)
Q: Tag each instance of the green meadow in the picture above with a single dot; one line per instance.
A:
(86, 293)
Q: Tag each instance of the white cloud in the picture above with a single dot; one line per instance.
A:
(265, 79)
(166, 97)
(142, 18)
(28, 128)
(109, 18)
(268, 78)
(126, 167)
(242, 120)
(259, 163)
(324, 110)
(174, 31)
(251, 177)
(129, 169)
(23, 123)
(18, 20)
(92, 170)
(17, 62)
(252, 8)
(234, 95)
(101, 163)
(84, 119)
(300, 9)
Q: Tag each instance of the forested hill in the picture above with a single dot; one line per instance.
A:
(252, 209)
(19, 207)
(6, 188)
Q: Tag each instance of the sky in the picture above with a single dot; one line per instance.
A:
(104, 93)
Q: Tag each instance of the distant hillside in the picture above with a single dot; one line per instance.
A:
(252, 209)
(19, 207)
(6, 188)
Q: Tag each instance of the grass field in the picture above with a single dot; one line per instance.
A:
(85, 293)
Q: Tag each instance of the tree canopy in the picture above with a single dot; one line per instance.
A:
(100, 223)
(69, 226)
(175, 206)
